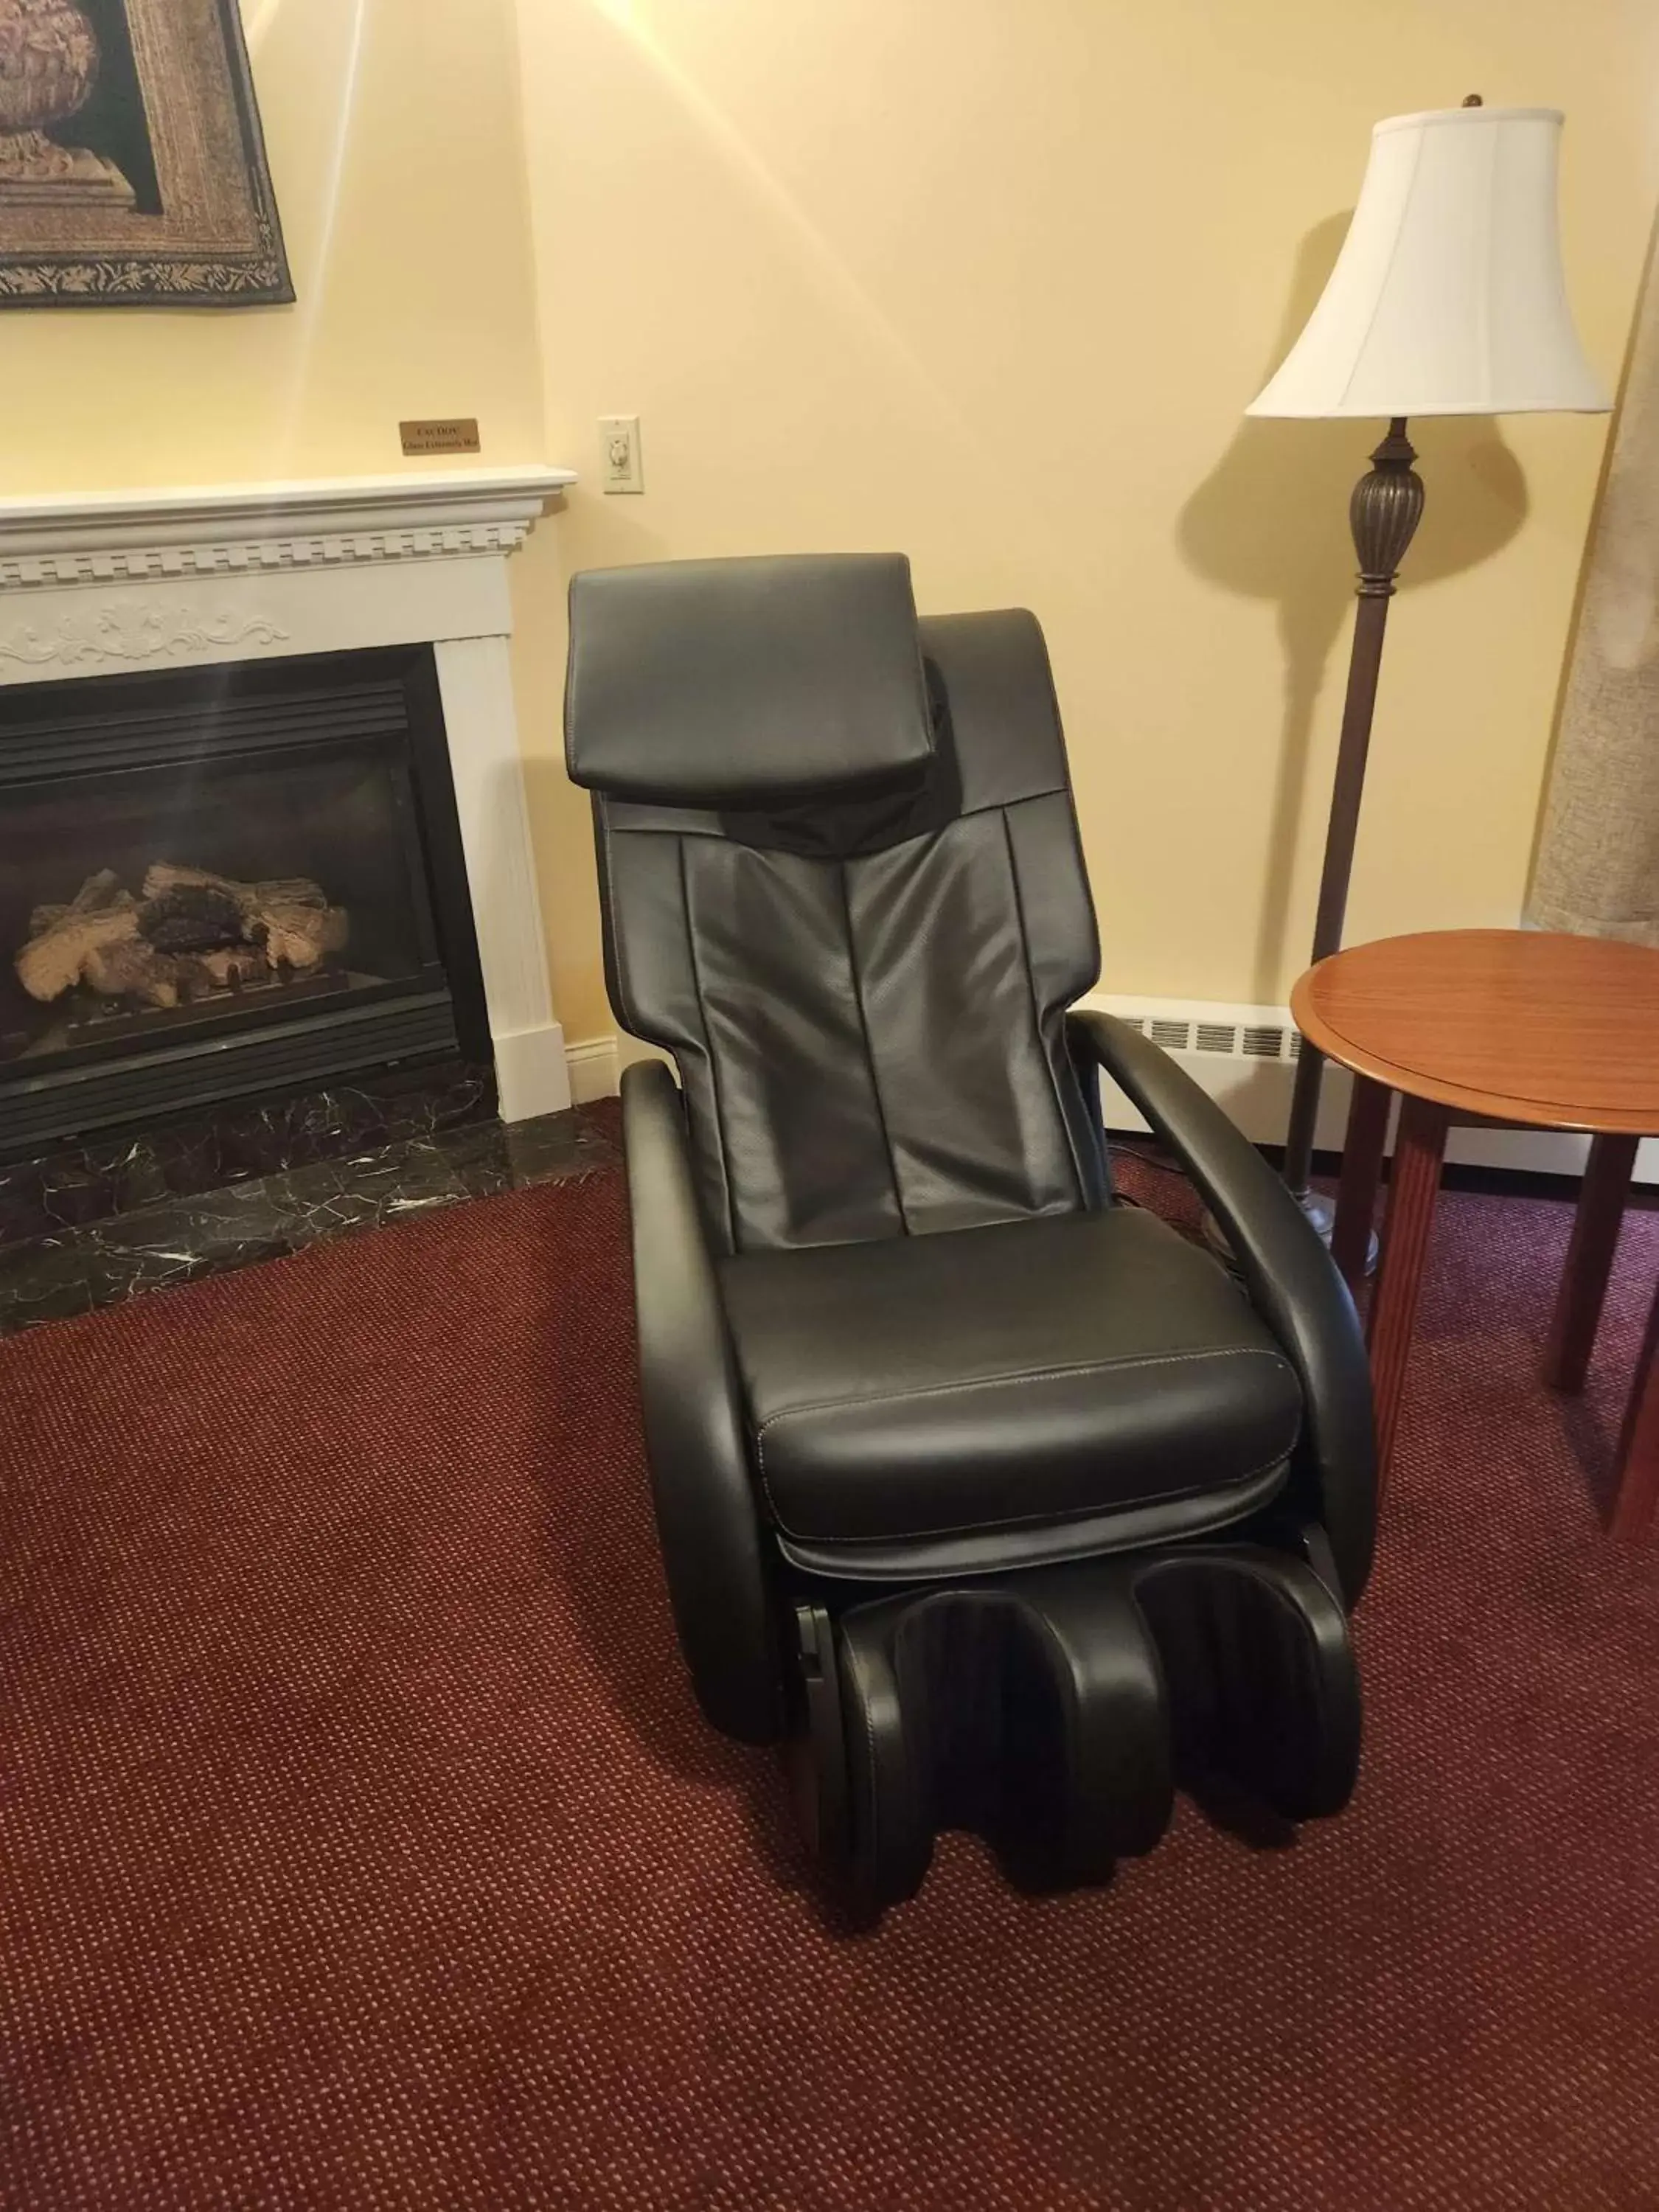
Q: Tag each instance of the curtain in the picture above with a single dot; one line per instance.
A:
(1597, 870)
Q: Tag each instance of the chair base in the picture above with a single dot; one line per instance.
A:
(1054, 1712)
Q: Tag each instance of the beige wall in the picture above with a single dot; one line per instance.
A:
(991, 282)
(987, 283)
(396, 153)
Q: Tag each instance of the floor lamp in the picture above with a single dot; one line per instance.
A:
(1447, 299)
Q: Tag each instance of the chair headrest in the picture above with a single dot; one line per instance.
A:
(747, 683)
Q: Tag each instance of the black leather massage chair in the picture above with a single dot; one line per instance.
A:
(1005, 1505)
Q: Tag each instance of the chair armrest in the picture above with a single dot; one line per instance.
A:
(696, 1438)
(1288, 1273)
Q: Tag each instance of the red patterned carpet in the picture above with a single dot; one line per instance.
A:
(362, 1848)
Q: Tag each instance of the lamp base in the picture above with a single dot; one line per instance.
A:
(1319, 1209)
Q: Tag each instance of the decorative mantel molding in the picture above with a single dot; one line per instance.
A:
(243, 530)
(141, 632)
(92, 588)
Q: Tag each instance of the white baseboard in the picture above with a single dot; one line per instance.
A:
(596, 1065)
(1253, 1085)
(531, 1073)
(594, 1068)
(1255, 1091)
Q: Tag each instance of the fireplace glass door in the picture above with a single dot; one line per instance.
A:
(192, 864)
(138, 905)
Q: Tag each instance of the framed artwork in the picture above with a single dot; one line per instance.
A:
(132, 168)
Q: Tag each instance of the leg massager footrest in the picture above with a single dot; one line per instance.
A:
(1054, 1712)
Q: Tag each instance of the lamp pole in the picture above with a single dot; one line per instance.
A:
(1383, 515)
(1447, 298)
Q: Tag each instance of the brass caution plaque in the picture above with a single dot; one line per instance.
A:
(458, 436)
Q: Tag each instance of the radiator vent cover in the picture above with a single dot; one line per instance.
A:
(1239, 1040)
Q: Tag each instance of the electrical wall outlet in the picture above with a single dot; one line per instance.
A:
(620, 466)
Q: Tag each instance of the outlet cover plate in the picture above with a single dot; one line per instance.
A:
(621, 469)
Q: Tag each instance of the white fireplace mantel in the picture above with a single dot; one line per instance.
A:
(213, 531)
(112, 584)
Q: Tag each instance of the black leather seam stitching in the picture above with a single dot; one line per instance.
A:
(1079, 1176)
(1082, 1709)
(1051, 1520)
(709, 1048)
(862, 1705)
(869, 1048)
(613, 934)
(1285, 1601)
(993, 1382)
(1024, 1375)
(714, 829)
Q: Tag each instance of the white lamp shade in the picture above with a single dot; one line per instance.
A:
(1447, 297)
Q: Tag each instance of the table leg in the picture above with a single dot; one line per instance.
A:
(1361, 1171)
(1589, 1262)
(1637, 1495)
(1414, 1185)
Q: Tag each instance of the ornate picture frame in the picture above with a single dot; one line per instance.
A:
(132, 165)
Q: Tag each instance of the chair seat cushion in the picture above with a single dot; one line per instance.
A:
(1030, 1372)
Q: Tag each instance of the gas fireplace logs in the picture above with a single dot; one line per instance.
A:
(188, 934)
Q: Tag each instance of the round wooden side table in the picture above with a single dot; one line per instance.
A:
(1501, 1027)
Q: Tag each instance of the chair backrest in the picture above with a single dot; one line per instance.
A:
(842, 886)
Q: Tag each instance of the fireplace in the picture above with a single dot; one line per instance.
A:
(265, 740)
(244, 880)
